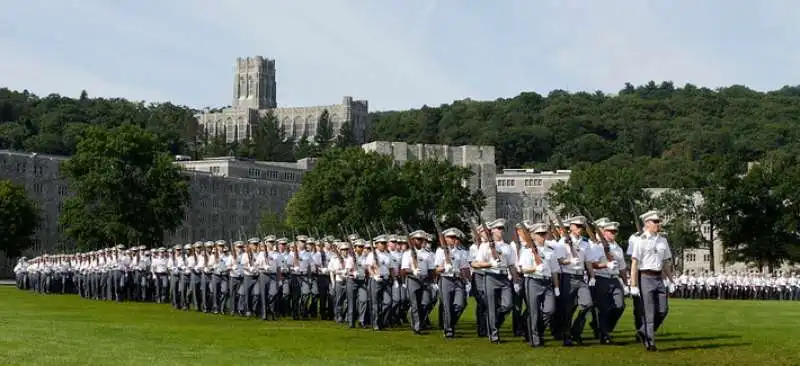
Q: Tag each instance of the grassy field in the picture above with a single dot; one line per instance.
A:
(67, 330)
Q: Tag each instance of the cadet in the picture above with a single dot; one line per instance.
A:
(575, 293)
(498, 260)
(452, 267)
(541, 287)
(652, 260)
(609, 265)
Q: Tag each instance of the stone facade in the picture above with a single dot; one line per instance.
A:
(254, 96)
(479, 159)
(228, 196)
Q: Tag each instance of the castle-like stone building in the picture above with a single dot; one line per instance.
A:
(254, 95)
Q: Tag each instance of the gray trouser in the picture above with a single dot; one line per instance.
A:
(356, 301)
(654, 306)
(195, 288)
(339, 301)
(541, 303)
(499, 302)
(575, 294)
(453, 301)
(248, 292)
(609, 300)
(233, 292)
(268, 293)
(381, 301)
(420, 299)
(205, 292)
(479, 292)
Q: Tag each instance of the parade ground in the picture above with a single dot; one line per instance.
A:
(68, 330)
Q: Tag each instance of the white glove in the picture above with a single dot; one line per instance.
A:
(396, 285)
(517, 287)
(635, 291)
(592, 282)
(416, 271)
(671, 288)
(574, 261)
(626, 290)
(435, 287)
(468, 287)
(540, 268)
(404, 285)
(557, 291)
(280, 283)
(448, 267)
(494, 263)
(611, 265)
(324, 271)
(154, 276)
(296, 269)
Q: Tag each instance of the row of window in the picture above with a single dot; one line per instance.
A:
(692, 257)
(272, 174)
(529, 182)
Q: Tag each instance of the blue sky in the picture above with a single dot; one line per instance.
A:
(397, 54)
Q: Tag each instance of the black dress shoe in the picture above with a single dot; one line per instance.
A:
(652, 348)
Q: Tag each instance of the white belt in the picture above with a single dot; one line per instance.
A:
(537, 277)
(606, 275)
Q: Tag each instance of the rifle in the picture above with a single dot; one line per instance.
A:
(567, 238)
(526, 235)
(492, 246)
(374, 269)
(639, 230)
(592, 230)
(414, 259)
(442, 241)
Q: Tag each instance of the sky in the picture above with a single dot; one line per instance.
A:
(398, 54)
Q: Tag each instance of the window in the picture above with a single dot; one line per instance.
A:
(691, 257)
(62, 189)
(37, 187)
(537, 182)
(707, 258)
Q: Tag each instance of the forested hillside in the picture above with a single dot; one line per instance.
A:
(660, 122)
(52, 124)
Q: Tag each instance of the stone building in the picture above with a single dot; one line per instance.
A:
(254, 95)
(479, 159)
(228, 196)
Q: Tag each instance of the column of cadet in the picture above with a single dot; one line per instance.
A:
(549, 279)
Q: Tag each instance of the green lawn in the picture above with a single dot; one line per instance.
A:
(66, 330)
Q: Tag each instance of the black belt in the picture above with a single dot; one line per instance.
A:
(650, 272)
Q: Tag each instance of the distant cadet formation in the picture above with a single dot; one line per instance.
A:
(549, 276)
(781, 285)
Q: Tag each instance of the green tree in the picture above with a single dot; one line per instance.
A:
(304, 148)
(325, 134)
(760, 223)
(367, 192)
(272, 223)
(346, 136)
(127, 189)
(605, 189)
(19, 218)
(268, 140)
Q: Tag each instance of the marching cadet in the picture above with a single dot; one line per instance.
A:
(356, 286)
(498, 260)
(303, 262)
(338, 275)
(264, 281)
(19, 272)
(575, 293)
(122, 274)
(222, 290)
(159, 272)
(219, 270)
(206, 269)
(248, 291)
(321, 299)
(479, 282)
(609, 269)
(195, 267)
(395, 318)
(416, 268)
(186, 288)
(541, 287)
(379, 265)
(652, 260)
(137, 273)
(236, 274)
(452, 268)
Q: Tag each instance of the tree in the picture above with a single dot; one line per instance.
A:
(346, 136)
(603, 190)
(760, 223)
(350, 189)
(19, 218)
(325, 134)
(272, 223)
(303, 149)
(268, 140)
(127, 189)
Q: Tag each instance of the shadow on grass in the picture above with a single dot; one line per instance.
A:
(704, 346)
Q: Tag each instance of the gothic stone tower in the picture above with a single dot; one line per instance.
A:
(254, 83)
